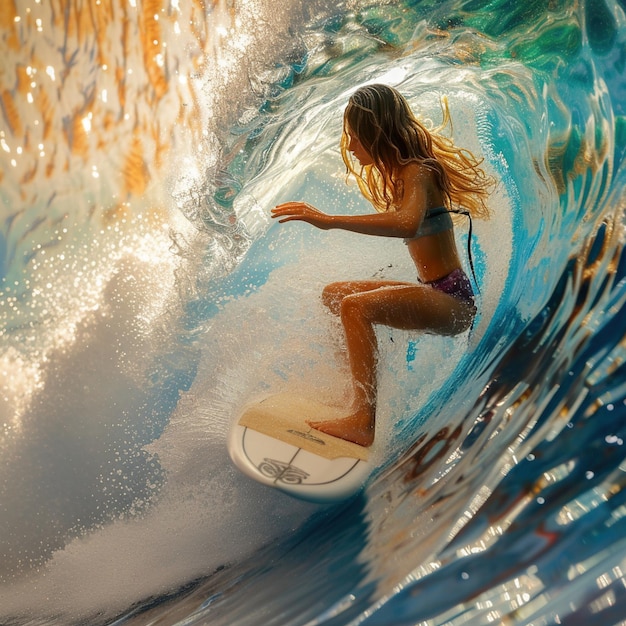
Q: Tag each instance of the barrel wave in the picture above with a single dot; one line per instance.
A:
(146, 297)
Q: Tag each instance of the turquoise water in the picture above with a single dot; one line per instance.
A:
(147, 297)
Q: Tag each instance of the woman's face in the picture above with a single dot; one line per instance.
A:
(357, 149)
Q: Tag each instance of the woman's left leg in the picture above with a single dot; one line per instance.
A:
(334, 293)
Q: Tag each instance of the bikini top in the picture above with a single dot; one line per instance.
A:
(438, 220)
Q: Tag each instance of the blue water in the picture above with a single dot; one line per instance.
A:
(146, 297)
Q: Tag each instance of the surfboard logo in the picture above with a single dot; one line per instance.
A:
(283, 472)
(307, 436)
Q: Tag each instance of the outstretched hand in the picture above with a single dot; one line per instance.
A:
(303, 212)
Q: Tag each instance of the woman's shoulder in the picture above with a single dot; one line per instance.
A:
(414, 170)
(415, 173)
(412, 167)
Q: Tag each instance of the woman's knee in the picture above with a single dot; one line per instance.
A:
(332, 295)
(353, 307)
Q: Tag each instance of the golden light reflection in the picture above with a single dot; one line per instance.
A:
(87, 131)
(57, 93)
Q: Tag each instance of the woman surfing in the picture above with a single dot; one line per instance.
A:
(414, 178)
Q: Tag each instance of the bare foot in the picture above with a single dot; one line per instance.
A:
(357, 428)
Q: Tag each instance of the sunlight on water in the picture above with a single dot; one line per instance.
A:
(93, 127)
(145, 297)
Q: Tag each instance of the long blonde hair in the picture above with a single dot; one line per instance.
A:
(382, 120)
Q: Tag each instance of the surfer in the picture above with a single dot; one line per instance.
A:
(414, 178)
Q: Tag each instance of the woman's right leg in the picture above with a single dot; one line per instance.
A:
(362, 351)
(364, 304)
(360, 336)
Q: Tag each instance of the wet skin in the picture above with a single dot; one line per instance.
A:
(361, 305)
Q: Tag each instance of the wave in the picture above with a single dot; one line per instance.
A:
(146, 298)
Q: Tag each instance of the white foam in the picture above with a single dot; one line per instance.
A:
(205, 515)
(92, 399)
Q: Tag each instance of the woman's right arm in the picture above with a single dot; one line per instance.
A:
(390, 224)
(403, 222)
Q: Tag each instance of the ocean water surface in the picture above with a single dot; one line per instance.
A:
(146, 297)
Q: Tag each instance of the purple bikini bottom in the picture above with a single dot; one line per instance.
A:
(456, 284)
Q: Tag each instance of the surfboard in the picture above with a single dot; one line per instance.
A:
(272, 443)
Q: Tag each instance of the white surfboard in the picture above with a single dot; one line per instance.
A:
(272, 443)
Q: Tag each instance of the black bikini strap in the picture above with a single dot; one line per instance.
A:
(466, 214)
